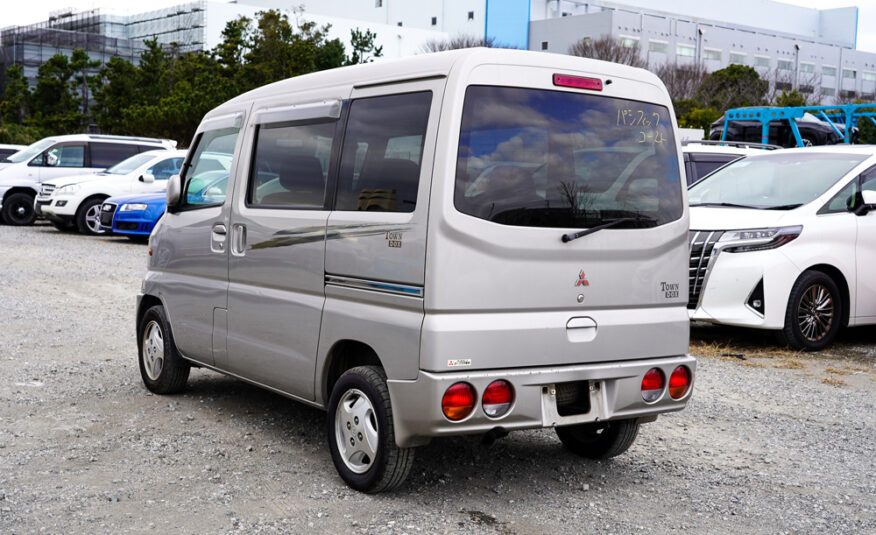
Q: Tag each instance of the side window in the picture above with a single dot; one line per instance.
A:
(68, 155)
(108, 154)
(383, 147)
(842, 201)
(290, 165)
(165, 168)
(206, 176)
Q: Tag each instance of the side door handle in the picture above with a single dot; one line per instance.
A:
(238, 239)
(217, 238)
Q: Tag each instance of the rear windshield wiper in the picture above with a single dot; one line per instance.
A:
(727, 204)
(613, 223)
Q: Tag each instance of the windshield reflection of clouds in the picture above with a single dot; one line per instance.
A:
(550, 158)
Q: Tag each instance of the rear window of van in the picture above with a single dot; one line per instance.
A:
(539, 158)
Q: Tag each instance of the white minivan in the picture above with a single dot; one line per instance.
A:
(468, 242)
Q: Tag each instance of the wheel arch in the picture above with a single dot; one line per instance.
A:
(99, 196)
(20, 189)
(342, 356)
(146, 302)
(840, 279)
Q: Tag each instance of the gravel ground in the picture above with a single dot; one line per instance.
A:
(770, 444)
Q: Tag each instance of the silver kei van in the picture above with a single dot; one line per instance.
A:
(467, 242)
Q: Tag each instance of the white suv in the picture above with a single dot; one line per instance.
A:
(62, 156)
(75, 201)
(784, 241)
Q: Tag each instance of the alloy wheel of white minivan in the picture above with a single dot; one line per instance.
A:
(814, 312)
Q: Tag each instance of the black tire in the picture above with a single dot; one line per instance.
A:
(18, 209)
(173, 372)
(389, 465)
(814, 312)
(599, 440)
(86, 221)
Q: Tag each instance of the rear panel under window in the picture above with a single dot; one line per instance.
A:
(542, 158)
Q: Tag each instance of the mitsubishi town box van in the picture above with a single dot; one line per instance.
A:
(469, 242)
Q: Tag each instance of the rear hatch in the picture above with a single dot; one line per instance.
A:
(511, 281)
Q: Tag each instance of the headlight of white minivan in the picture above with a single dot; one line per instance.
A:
(758, 239)
(69, 189)
(132, 207)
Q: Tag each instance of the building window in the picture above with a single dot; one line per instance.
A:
(434, 21)
(628, 42)
(471, 15)
(399, 23)
(658, 46)
(868, 76)
(828, 71)
(807, 89)
(378, 3)
(761, 61)
(851, 93)
(544, 45)
(712, 54)
(850, 74)
(685, 50)
(828, 91)
(807, 67)
(737, 58)
(784, 64)
(783, 86)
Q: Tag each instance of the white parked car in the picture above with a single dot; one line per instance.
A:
(704, 156)
(785, 241)
(75, 201)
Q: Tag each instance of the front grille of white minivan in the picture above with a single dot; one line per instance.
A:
(46, 190)
(702, 243)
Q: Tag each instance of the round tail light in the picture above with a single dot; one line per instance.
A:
(679, 382)
(497, 398)
(652, 385)
(458, 401)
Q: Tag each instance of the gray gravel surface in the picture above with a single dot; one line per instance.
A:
(84, 448)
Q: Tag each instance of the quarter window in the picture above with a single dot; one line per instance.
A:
(383, 147)
(290, 165)
(109, 154)
(206, 177)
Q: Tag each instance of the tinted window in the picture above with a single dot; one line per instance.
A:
(383, 145)
(290, 165)
(68, 155)
(7, 152)
(108, 154)
(554, 159)
(128, 166)
(206, 177)
(165, 168)
(702, 168)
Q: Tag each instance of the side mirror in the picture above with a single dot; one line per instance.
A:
(174, 191)
(868, 203)
(147, 178)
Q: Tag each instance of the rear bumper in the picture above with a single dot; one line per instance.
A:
(614, 390)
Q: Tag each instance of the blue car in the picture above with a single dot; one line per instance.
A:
(133, 215)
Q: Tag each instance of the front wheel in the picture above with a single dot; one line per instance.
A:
(18, 210)
(88, 217)
(599, 440)
(162, 368)
(361, 433)
(813, 315)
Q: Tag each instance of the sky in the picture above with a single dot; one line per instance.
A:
(31, 11)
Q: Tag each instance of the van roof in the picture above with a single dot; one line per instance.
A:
(438, 64)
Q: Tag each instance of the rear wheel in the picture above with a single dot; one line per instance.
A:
(814, 312)
(599, 440)
(18, 209)
(88, 217)
(361, 433)
(162, 368)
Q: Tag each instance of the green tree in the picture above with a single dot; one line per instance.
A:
(735, 86)
(114, 88)
(792, 98)
(363, 49)
(15, 104)
(81, 64)
(55, 107)
(699, 118)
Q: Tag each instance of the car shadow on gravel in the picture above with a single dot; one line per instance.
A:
(522, 465)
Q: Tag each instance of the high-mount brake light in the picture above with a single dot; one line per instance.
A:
(578, 82)
(679, 382)
(652, 385)
(497, 398)
(458, 401)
